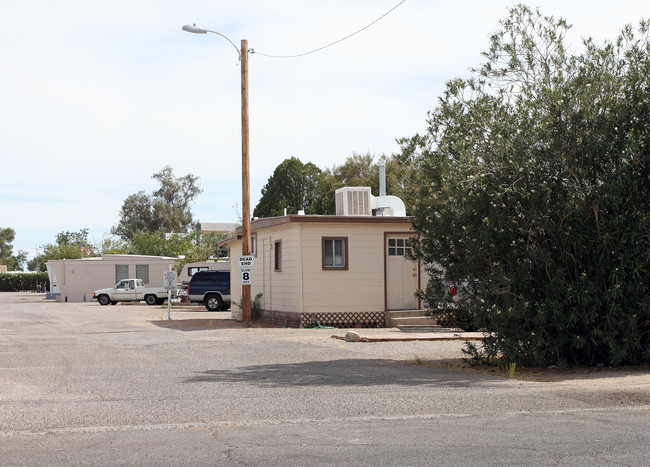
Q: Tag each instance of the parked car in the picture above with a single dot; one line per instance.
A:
(212, 288)
(131, 290)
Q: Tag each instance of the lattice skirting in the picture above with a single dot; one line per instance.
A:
(370, 319)
(442, 320)
(362, 319)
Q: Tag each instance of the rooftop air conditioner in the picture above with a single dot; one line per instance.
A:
(353, 201)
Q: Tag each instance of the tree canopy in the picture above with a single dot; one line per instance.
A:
(297, 186)
(188, 248)
(67, 245)
(166, 210)
(294, 186)
(531, 193)
(7, 257)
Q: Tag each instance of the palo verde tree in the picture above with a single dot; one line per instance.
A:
(166, 210)
(532, 191)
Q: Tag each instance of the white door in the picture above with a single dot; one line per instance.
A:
(401, 274)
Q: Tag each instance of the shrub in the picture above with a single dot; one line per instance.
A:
(15, 282)
(532, 189)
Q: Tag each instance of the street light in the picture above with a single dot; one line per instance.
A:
(245, 164)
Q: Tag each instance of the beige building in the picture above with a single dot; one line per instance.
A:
(74, 280)
(344, 270)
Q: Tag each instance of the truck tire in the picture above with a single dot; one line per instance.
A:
(103, 300)
(213, 302)
(151, 300)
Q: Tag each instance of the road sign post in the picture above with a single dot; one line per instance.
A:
(170, 279)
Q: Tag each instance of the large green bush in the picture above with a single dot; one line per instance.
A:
(532, 194)
(24, 281)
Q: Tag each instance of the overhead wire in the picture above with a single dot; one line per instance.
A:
(252, 51)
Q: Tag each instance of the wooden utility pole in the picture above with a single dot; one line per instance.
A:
(245, 178)
(245, 164)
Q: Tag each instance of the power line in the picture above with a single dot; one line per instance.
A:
(333, 43)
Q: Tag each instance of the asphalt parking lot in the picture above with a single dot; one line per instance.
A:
(84, 384)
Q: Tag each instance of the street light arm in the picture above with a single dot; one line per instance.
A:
(245, 163)
(196, 30)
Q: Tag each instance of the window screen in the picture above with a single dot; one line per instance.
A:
(142, 272)
(121, 272)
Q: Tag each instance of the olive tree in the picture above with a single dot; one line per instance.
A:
(166, 210)
(531, 193)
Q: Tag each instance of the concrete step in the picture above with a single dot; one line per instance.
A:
(422, 328)
(410, 321)
(405, 313)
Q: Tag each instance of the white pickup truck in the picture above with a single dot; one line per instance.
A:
(131, 290)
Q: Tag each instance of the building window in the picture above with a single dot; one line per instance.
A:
(142, 272)
(121, 272)
(399, 247)
(193, 270)
(278, 255)
(254, 244)
(335, 253)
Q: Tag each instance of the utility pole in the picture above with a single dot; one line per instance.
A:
(245, 164)
(245, 178)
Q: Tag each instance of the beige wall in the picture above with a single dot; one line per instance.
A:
(78, 278)
(302, 285)
(235, 281)
(280, 289)
(361, 286)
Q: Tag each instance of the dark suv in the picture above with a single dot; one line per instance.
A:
(212, 288)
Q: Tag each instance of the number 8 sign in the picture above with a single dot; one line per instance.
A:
(246, 277)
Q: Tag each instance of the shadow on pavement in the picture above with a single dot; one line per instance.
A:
(347, 372)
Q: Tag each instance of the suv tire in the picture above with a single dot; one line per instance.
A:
(213, 302)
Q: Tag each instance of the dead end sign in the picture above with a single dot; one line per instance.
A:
(245, 262)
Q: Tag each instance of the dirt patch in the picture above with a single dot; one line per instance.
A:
(601, 376)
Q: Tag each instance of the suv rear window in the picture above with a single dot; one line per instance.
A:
(210, 280)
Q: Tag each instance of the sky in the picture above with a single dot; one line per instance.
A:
(97, 96)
